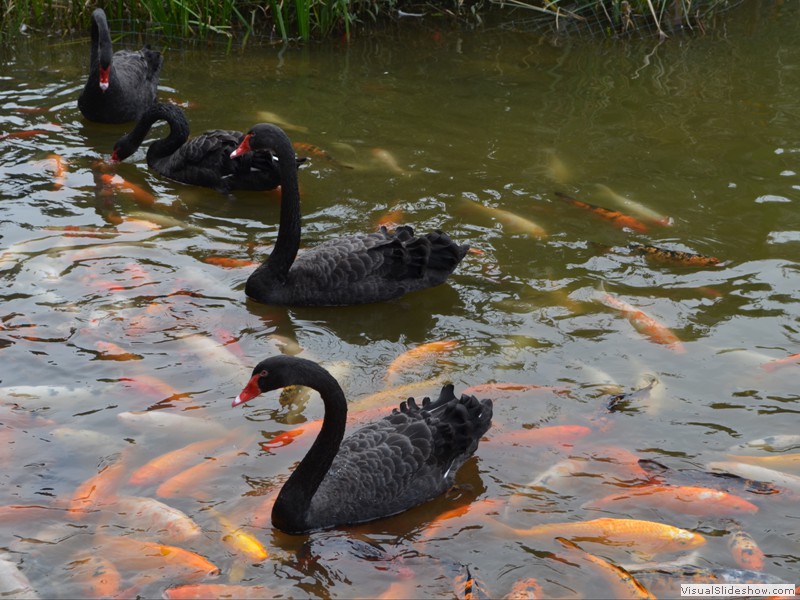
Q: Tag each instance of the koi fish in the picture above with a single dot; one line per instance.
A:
(97, 577)
(167, 561)
(187, 483)
(677, 257)
(561, 435)
(393, 395)
(151, 386)
(387, 158)
(514, 223)
(59, 170)
(648, 536)
(643, 323)
(525, 589)
(241, 541)
(390, 220)
(494, 389)
(110, 351)
(21, 512)
(624, 584)
(467, 587)
(688, 500)
(202, 591)
(756, 473)
(25, 134)
(617, 218)
(287, 437)
(166, 523)
(83, 231)
(271, 117)
(141, 195)
(556, 169)
(166, 465)
(665, 580)
(775, 443)
(480, 508)
(163, 419)
(312, 150)
(779, 363)
(229, 263)
(618, 400)
(779, 462)
(98, 489)
(641, 210)
(411, 358)
(745, 550)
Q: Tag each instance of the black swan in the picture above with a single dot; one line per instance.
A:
(202, 160)
(121, 85)
(349, 270)
(383, 468)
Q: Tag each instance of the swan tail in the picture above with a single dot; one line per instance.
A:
(459, 429)
(445, 254)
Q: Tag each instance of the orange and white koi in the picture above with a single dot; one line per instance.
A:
(745, 550)
(625, 585)
(166, 465)
(675, 257)
(510, 221)
(152, 557)
(616, 218)
(645, 212)
(689, 500)
(203, 591)
(110, 351)
(643, 323)
(187, 483)
(510, 389)
(425, 352)
(646, 536)
(779, 363)
(151, 386)
(141, 195)
(554, 435)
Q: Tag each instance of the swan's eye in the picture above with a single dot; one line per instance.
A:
(264, 373)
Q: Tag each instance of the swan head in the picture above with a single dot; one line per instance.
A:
(122, 150)
(264, 136)
(275, 373)
(243, 147)
(104, 74)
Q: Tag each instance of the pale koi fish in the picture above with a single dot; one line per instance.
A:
(511, 222)
(636, 208)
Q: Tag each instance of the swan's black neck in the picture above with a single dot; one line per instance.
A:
(178, 132)
(288, 242)
(290, 512)
(101, 41)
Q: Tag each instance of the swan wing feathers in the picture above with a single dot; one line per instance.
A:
(404, 459)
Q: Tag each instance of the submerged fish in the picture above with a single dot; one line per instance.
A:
(617, 218)
(140, 194)
(778, 363)
(690, 500)
(553, 435)
(525, 589)
(160, 560)
(774, 443)
(412, 358)
(644, 323)
(756, 473)
(676, 257)
(95, 576)
(514, 223)
(780, 461)
(159, 520)
(203, 591)
(744, 550)
(164, 466)
(646, 536)
(637, 208)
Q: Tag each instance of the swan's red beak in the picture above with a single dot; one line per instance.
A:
(243, 148)
(104, 78)
(250, 391)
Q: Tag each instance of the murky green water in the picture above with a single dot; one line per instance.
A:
(427, 127)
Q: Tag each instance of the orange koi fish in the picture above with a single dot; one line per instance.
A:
(525, 589)
(59, 170)
(312, 150)
(152, 386)
(563, 435)
(187, 483)
(167, 561)
(779, 363)
(617, 218)
(625, 584)
(166, 465)
(508, 389)
(98, 489)
(141, 195)
(394, 395)
(229, 263)
(25, 134)
(647, 536)
(687, 500)
(83, 231)
(644, 323)
(511, 222)
(467, 587)
(390, 220)
(677, 257)
(97, 576)
(287, 437)
(646, 213)
(151, 515)
(110, 351)
(203, 591)
(744, 550)
(413, 357)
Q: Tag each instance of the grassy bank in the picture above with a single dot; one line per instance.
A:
(240, 20)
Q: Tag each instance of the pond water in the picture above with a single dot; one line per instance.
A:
(117, 303)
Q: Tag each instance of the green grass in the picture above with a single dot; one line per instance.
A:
(240, 20)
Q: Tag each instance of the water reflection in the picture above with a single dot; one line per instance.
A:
(116, 303)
